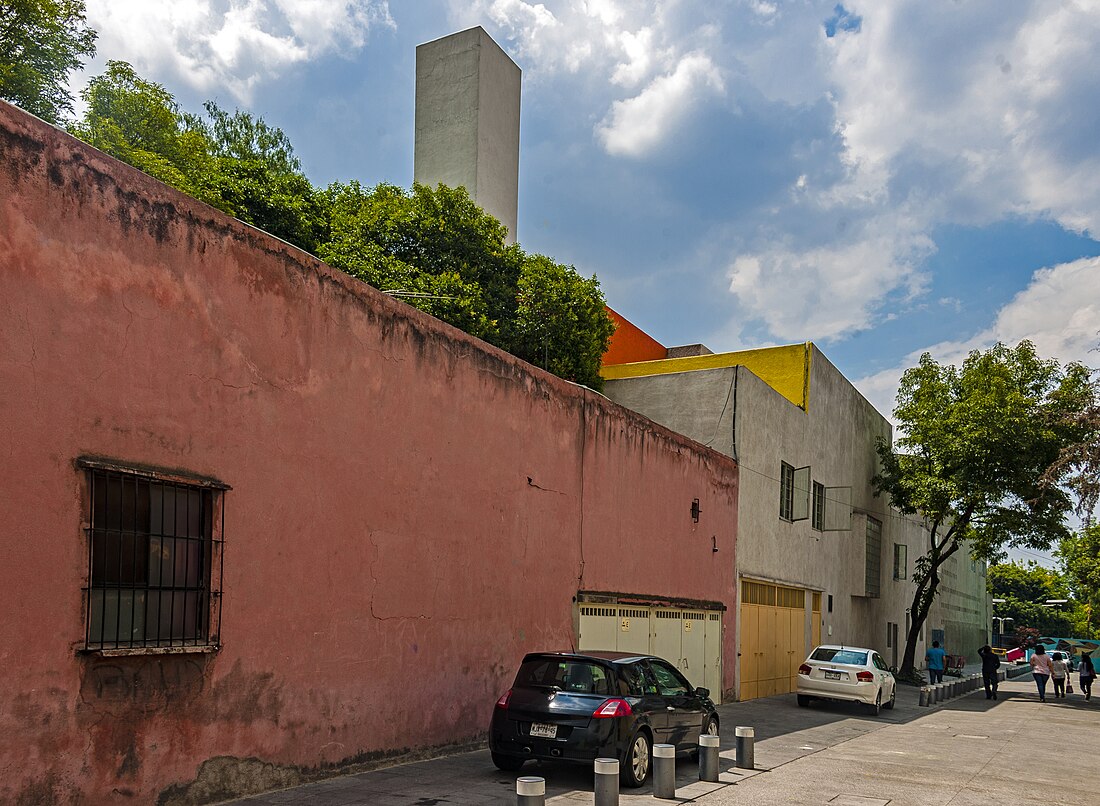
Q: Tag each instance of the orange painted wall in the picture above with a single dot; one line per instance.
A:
(630, 343)
(411, 509)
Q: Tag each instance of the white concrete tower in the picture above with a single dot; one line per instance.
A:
(467, 121)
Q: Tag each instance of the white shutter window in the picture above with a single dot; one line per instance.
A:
(838, 509)
(800, 506)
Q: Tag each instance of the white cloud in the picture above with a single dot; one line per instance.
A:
(826, 291)
(991, 102)
(1059, 312)
(662, 46)
(637, 125)
(231, 44)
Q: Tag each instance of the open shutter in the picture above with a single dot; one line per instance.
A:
(800, 506)
(838, 509)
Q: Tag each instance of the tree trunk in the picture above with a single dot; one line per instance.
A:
(918, 614)
(925, 593)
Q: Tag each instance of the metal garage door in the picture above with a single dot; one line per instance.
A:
(773, 638)
(690, 639)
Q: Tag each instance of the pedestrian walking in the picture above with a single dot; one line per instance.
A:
(1059, 672)
(935, 658)
(991, 667)
(1041, 671)
(1088, 674)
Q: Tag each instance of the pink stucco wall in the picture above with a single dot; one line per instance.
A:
(411, 510)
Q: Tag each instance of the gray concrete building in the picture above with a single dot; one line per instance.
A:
(819, 558)
(467, 121)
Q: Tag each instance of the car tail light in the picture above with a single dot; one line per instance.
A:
(865, 677)
(611, 708)
(804, 669)
(503, 701)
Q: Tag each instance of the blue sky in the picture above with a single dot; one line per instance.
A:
(880, 178)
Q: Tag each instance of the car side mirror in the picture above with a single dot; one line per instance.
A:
(702, 692)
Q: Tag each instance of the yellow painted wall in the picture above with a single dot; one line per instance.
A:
(785, 369)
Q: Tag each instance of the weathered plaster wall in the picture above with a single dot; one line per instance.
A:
(734, 411)
(411, 510)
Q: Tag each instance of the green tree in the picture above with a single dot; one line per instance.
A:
(380, 235)
(975, 443)
(235, 161)
(1080, 556)
(438, 251)
(561, 321)
(259, 178)
(140, 123)
(1025, 590)
(41, 42)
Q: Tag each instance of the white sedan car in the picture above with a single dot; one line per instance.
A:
(846, 673)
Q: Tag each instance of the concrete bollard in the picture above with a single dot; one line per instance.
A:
(708, 758)
(530, 791)
(744, 739)
(664, 771)
(607, 782)
(937, 693)
(924, 695)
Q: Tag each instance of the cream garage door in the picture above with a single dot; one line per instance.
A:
(773, 638)
(690, 639)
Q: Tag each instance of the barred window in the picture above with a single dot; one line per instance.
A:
(154, 559)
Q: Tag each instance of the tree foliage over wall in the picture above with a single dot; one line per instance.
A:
(41, 42)
(432, 248)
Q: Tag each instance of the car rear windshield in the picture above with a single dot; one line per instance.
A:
(581, 676)
(840, 656)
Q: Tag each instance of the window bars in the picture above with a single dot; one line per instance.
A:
(155, 546)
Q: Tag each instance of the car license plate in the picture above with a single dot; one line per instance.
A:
(832, 675)
(544, 731)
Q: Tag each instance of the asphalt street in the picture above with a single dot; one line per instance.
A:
(966, 751)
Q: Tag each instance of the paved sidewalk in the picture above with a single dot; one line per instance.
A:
(964, 752)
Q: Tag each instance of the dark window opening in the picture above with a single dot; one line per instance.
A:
(786, 491)
(154, 562)
(817, 519)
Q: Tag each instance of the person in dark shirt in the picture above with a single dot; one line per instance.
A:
(991, 667)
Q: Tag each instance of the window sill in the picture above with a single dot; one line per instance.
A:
(123, 652)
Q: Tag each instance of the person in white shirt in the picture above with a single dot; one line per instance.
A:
(1059, 671)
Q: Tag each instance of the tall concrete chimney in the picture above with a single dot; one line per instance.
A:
(467, 121)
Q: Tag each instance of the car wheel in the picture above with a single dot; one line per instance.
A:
(893, 697)
(710, 728)
(874, 709)
(803, 701)
(507, 763)
(638, 758)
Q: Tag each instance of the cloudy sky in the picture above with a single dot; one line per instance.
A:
(882, 178)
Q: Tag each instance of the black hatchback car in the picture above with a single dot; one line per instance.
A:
(580, 706)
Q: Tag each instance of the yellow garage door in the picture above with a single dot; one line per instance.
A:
(773, 638)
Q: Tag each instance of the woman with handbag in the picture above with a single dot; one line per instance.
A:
(1088, 674)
